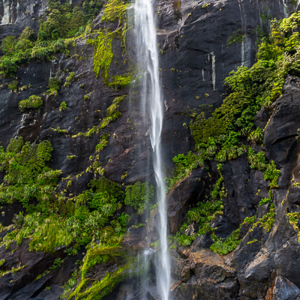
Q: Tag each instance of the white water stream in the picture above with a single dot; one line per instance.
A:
(152, 103)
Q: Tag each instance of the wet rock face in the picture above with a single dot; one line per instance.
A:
(194, 60)
(185, 194)
(25, 275)
(265, 264)
(204, 275)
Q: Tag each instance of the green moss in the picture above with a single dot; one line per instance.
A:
(2, 261)
(98, 255)
(103, 54)
(119, 82)
(86, 97)
(101, 288)
(103, 142)
(267, 221)
(59, 130)
(113, 10)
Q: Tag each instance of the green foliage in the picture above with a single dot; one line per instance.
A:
(120, 82)
(112, 112)
(201, 215)
(235, 38)
(103, 142)
(257, 161)
(251, 89)
(272, 174)
(219, 189)
(256, 136)
(101, 288)
(229, 147)
(8, 45)
(27, 176)
(294, 221)
(228, 245)
(2, 261)
(184, 164)
(28, 34)
(103, 55)
(7, 67)
(139, 196)
(31, 103)
(57, 221)
(63, 106)
(54, 85)
(13, 86)
(267, 221)
(69, 79)
(105, 185)
(266, 200)
(60, 22)
(249, 220)
(114, 9)
(96, 256)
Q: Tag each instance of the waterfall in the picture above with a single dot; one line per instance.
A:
(152, 104)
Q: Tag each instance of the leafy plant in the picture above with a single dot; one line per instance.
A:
(31, 103)
(139, 195)
(63, 106)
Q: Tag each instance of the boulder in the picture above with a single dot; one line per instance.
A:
(183, 195)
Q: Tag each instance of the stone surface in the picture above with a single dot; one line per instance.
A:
(194, 60)
(184, 194)
(23, 268)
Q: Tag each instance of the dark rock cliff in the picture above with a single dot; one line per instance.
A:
(195, 57)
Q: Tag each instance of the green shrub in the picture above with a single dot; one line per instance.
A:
(31, 103)
(226, 246)
(257, 161)
(28, 34)
(13, 86)
(69, 79)
(8, 45)
(139, 196)
(7, 67)
(272, 174)
(54, 85)
(63, 106)
(202, 215)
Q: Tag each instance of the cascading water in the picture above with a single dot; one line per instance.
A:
(152, 102)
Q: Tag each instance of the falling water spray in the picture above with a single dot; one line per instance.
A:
(152, 103)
